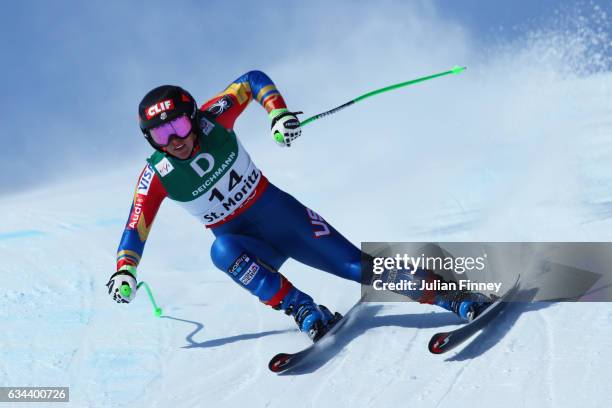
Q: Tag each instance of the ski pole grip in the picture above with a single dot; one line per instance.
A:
(125, 290)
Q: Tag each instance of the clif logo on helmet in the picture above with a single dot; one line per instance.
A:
(163, 104)
(158, 108)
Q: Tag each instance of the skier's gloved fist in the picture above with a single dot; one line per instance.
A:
(285, 126)
(122, 285)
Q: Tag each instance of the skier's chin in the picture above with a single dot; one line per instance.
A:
(183, 153)
(185, 149)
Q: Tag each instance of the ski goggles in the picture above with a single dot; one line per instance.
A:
(180, 127)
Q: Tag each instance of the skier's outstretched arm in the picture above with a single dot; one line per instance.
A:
(148, 196)
(254, 85)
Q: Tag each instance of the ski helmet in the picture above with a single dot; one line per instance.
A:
(162, 105)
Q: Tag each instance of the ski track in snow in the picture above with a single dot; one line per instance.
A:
(62, 330)
(122, 356)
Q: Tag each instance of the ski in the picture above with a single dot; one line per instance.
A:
(286, 361)
(439, 343)
(445, 341)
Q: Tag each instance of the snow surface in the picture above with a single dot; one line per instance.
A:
(516, 148)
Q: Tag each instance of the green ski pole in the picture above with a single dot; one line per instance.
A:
(127, 291)
(454, 70)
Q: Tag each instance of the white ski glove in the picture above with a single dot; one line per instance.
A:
(124, 276)
(285, 126)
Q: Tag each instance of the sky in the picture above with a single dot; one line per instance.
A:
(74, 72)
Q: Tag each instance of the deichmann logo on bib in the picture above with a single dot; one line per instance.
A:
(212, 177)
(216, 182)
(225, 184)
(195, 163)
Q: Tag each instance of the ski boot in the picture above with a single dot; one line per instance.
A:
(315, 320)
(467, 305)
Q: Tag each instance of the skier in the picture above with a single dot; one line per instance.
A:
(200, 163)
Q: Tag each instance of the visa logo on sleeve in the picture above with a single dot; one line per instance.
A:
(145, 181)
